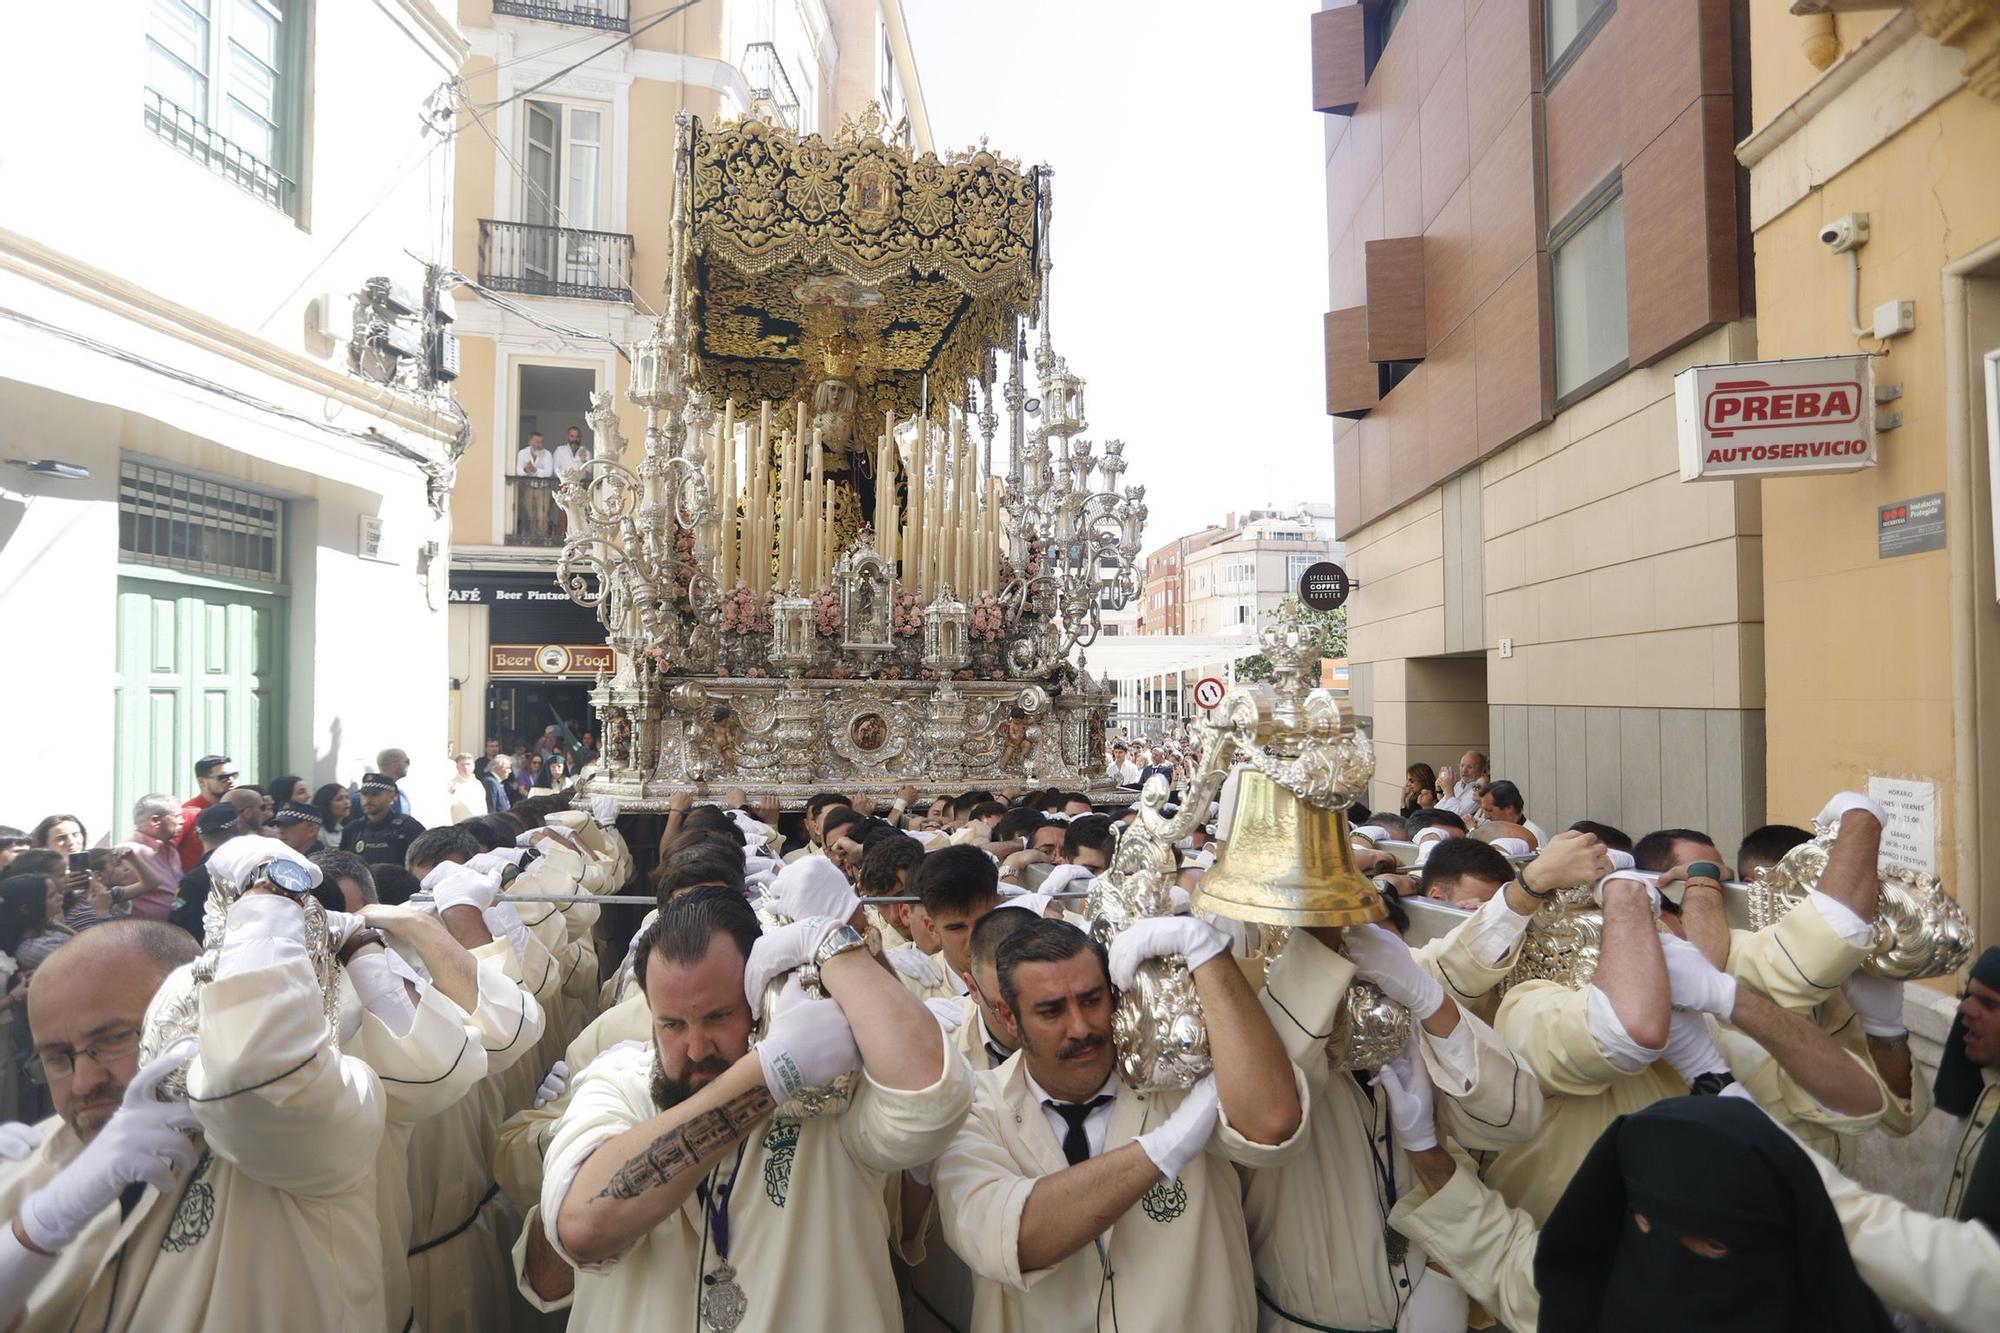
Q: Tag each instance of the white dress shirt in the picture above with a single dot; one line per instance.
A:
(544, 461)
(1095, 1124)
(569, 460)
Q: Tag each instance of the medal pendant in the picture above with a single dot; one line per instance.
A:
(722, 1301)
(1397, 1244)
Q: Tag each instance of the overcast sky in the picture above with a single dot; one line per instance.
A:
(1189, 229)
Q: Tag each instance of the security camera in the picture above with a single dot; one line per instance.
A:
(1847, 232)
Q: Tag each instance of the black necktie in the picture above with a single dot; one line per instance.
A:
(996, 1057)
(1076, 1143)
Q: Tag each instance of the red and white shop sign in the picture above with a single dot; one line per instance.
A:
(1776, 418)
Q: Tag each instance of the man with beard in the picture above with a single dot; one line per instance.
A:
(89, 1002)
(1080, 1202)
(673, 1191)
(1968, 1085)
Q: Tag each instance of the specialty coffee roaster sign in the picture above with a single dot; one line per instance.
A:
(1776, 418)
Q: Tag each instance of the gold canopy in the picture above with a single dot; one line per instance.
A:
(943, 256)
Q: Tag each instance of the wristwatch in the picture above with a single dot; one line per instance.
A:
(844, 939)
(287, 877)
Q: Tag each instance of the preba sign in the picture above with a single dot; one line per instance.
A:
(1776, 418)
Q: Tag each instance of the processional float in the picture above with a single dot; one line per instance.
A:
(813, 575)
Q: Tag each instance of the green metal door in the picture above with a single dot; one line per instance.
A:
(200, 671)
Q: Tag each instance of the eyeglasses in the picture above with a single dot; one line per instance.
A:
(45, 1065)
(222, 777)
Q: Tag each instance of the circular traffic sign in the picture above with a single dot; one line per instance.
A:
(1208, 691)
(1324, 586)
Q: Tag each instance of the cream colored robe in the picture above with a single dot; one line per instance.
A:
(1181, 1255)
(809, 1224)
(276, 1227)
(60, 1294)
(462, 1284)
(422, 1073)
(1316, 1225)
(524, 1138)
(1546, 1024)
(1933, 1267)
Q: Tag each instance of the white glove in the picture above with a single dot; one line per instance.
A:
(1646, 881)
(1879, 1002)
(1063, 877)
(604, 809)
(1844, 801)
(504, 923)
(1511, 846)
(1690, 1050)
(1186, 1132)
(18, 1139)
(1694, 982)
(1038, 903)
(146, 1140)
(1243, 936)
(462, 886)
(557, 1082)
(808, 1046)
(1620, 860)
(1163, 937)
(950, 1014)
(1411, 1108)
(1380, 956)
(812, 886)
(777, 952)
(339, 925)
(913, 964)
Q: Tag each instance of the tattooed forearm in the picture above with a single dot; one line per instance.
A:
(686, 1146)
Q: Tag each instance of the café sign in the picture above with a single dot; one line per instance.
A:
(1776, 418)
(550, 659)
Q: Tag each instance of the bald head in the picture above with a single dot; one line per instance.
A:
(92, 994)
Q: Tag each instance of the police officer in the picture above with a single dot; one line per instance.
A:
(383, 836)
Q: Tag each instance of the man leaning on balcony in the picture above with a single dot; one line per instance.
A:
(534, 470)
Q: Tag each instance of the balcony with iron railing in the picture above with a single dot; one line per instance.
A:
(555, 261)
(764, 75)
(191, 135)
(611, 15)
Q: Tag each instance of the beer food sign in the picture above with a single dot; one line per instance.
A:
(1776, 418)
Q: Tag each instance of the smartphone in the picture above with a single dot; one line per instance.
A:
(79, 863)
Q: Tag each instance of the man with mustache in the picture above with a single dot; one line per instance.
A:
(1080, 1202)
(670, 1186)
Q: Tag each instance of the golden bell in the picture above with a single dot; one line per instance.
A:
(1286, 863)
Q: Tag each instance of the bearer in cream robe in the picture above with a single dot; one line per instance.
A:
(791, 1216)
(1597, 1060)
(1130, 1216)
(1317, 1226)
(456, 1252)
(275, 1229)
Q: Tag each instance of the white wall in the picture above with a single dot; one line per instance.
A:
(109, 234)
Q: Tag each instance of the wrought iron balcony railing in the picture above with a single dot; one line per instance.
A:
(555, 261)
(768, 83)
(611, 15)
(200, 141)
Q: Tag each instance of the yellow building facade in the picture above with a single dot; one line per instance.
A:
(563, 182)
(1882, 665)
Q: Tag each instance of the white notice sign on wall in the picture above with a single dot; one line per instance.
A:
(1910, 842)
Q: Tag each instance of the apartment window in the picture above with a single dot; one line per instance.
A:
(562, 157)
(1567, 27)
(1296, 567)
(224, 80)
(1588, 257)
(888, 76)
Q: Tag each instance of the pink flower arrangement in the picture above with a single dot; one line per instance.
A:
(743, 612)
(826, 611)
(986, 621)
(909, 616)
